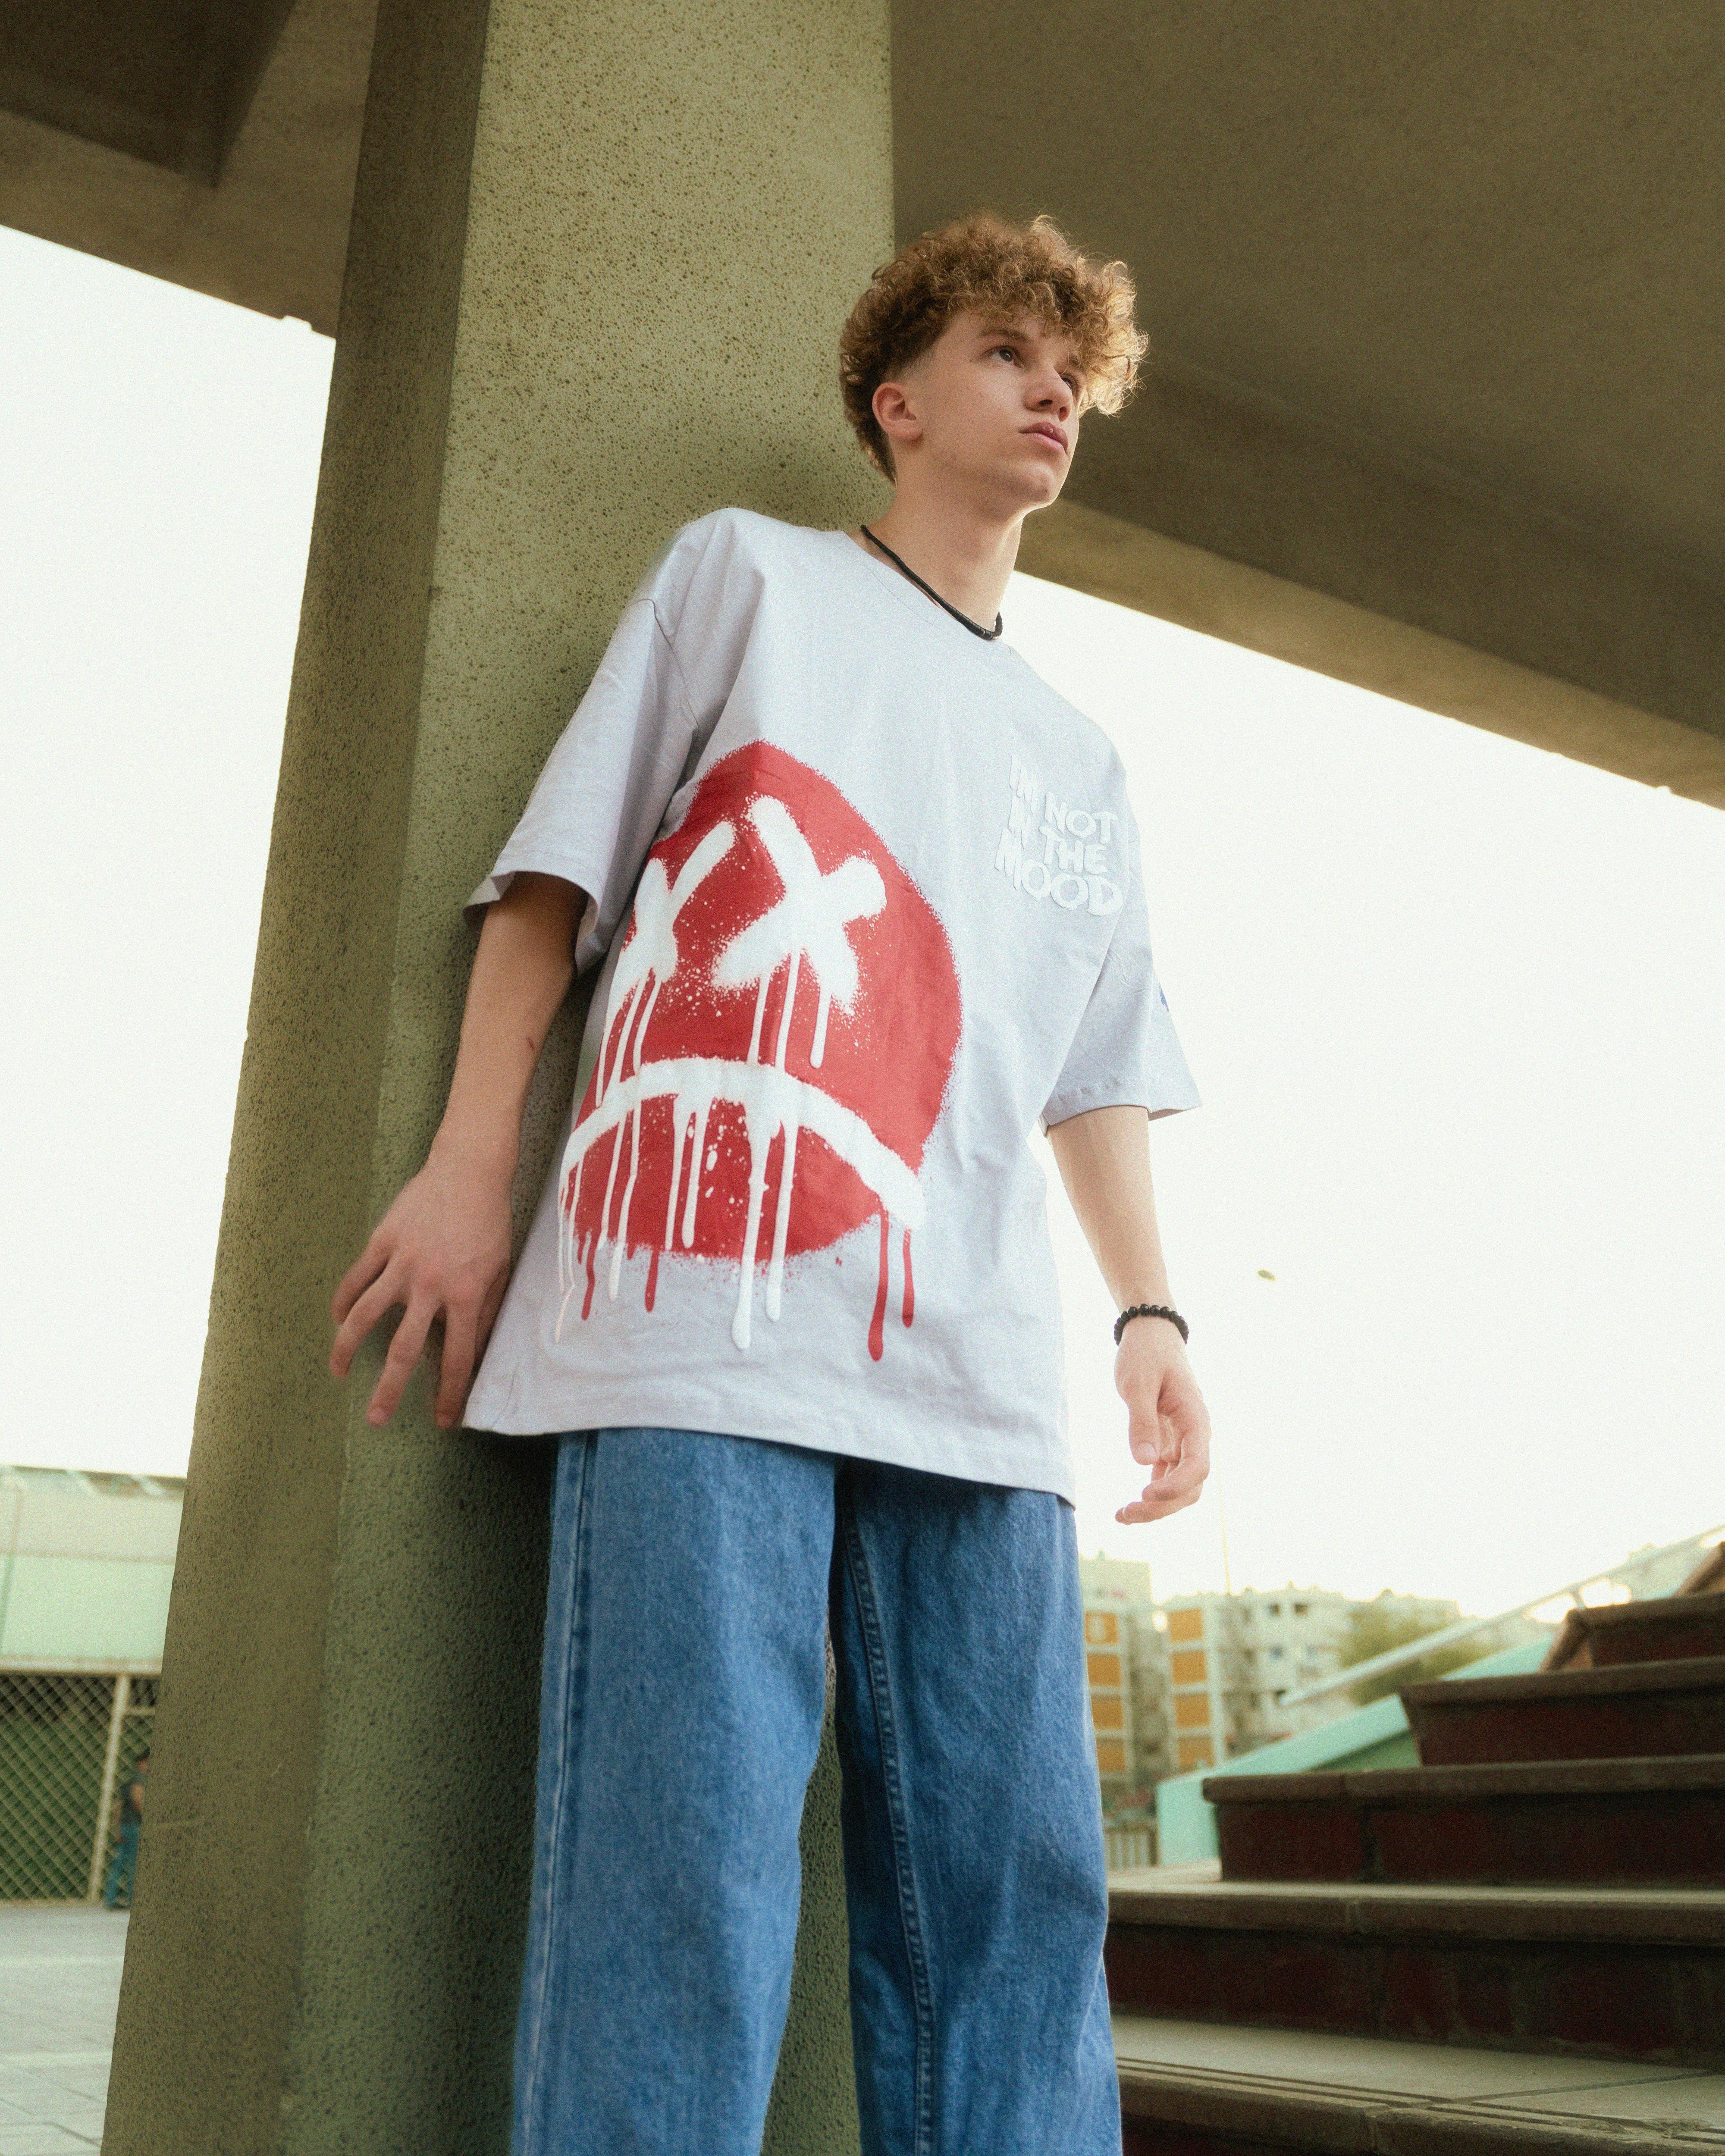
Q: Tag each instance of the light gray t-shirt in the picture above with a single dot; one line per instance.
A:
(867, 897)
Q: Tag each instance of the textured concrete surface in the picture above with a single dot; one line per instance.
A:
(813, 2108)
(59, 1977)
(1433, 294)
(1411, 552)
(1443, 230)
(1114, 558)
(622, 322)
(273, 234)
(169, 81)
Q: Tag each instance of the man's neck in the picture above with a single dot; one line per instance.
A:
(966, 554)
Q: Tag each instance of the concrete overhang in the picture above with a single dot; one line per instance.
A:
(1437, 294)
(213, 142)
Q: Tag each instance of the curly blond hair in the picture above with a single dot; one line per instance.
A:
(987, 265)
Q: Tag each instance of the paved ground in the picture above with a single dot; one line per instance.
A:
(59, 1983)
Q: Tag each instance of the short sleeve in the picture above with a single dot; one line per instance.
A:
(599, 800)
(1126, 1052)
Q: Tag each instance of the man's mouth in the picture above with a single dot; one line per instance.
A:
(1049, 432)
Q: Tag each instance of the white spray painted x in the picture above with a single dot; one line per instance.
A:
(809, 922)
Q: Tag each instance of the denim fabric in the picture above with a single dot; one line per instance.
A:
(693, 1579)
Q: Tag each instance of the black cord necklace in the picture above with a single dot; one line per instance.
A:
(976, 629)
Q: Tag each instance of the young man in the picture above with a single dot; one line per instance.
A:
(865, 901)
(128, 1823)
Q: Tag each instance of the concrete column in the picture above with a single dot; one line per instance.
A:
(601, 251)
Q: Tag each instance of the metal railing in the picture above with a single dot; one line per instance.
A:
(66, 1740)
(1129, 1848)
(1414, 1650)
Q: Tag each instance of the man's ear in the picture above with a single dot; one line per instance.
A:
(895, 406)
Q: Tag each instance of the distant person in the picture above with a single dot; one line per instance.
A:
(866, 901)
(122, 1868)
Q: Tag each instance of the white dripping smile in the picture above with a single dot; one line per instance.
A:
(807, 924)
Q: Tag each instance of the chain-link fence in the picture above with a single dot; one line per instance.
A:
(68, 1742)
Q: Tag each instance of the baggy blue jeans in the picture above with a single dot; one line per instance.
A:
(692, 1580)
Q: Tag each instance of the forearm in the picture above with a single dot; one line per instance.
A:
(521, 975)
(1104, 1160)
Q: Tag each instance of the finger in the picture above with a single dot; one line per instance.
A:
(1149, 1440)
(1156, 1500)
(1184, 1461)
(1177, 1478)
(399, 1363)
(1185, 1412)
(365, 1268)
(1135, 1514)
(384, 1292)
(1182, 1441)
(1176, 1481)
(489, 1308)
(467, 1329)
(456, 1364)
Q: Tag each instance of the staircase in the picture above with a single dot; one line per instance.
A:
(1518, 1945)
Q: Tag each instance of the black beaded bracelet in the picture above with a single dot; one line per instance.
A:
(1148, 1309)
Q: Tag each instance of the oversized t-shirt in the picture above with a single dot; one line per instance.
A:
(867, 898)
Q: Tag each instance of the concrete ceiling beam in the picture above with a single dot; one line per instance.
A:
(258, 215)
(168, 81)
(1435, 292)
(1210, 505)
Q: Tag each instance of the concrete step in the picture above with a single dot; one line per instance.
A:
(1666, 1628)
(1627, 1822)
(1621, 1711)
(1610, 1972)
(1189, 2088)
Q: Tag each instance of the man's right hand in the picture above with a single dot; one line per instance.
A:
(441, 1251)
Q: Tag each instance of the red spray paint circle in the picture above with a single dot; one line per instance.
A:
(784, 992)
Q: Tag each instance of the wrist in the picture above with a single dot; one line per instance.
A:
(1161, 1314)
(489, 1156)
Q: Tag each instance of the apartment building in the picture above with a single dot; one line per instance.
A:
(1200, 1678)
(1128, 1664)
(1231, 1656)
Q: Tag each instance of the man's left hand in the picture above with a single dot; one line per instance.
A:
(1169, 1425)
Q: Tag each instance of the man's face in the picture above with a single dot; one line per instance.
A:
(994, 402)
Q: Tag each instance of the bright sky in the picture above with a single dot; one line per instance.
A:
(1456, 1008)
